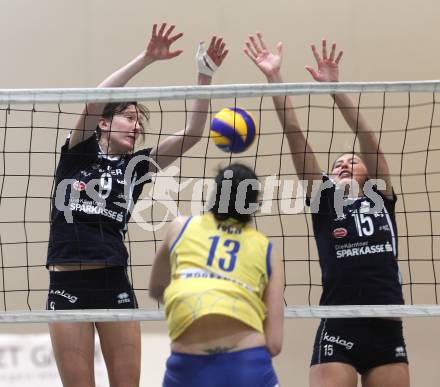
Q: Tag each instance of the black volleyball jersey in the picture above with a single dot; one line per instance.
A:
(92, 200)
(357, 250)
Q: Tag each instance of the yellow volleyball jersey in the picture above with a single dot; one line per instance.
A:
(217, 268)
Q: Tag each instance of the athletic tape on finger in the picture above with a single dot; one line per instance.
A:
(205, 64)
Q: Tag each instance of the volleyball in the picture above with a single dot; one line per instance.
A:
(233, 129)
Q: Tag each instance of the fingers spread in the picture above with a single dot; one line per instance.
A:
(254, 44)
(251, 49)
(216, 52)
(251, 56)
(162, 28)
(175, 37)
(169, 31)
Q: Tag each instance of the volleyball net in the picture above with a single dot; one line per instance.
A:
(34, 125)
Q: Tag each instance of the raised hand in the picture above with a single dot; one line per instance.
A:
(269, 63)
(208, 61)
(328, 66)
(159, 45)
(216, 50)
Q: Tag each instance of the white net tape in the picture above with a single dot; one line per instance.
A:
(97, 315)
(215, 91)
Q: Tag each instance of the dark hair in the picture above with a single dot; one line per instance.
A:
(228, 194)
(113, 108)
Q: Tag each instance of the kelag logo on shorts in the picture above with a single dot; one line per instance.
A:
(338, 340)
(62, 293)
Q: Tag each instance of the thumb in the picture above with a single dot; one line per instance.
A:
(201, 49)
(280, 48)
(312, 72)
(173, 54)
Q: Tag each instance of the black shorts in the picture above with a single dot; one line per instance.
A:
(107, 288)
(364, 343)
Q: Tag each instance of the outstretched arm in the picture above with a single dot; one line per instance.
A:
(158, 48)
(372, 155)
(273, 299)
(306, 164)
(176, 145)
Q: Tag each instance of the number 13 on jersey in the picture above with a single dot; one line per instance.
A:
(231, 248)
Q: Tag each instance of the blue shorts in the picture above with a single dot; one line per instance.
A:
(364, 343)
(107, 288)
(247, 368)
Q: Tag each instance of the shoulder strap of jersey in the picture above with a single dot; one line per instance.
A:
(182, 230)
(268, 259)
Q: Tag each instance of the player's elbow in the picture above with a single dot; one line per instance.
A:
(274, 347)
(156, 292)
(274, 342)
(273, 332)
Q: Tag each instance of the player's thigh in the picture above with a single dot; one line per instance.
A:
(332, 375)
(390, 375)
(121, 348)
(73, 346)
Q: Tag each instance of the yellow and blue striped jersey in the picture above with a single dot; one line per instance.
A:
(217, 268)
